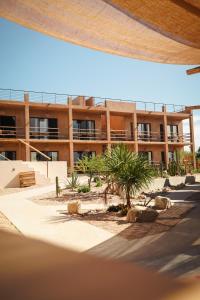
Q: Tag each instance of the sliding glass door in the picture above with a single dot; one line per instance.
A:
(43, 128)
(84, 129)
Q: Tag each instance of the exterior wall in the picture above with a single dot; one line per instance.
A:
(120, 114)
(9, 175)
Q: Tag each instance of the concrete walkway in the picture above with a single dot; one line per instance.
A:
(176, 251)
(47, 222)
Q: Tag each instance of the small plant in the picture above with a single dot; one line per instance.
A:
(83, 189)
(73, 182)
(58, 188)
(98, 181)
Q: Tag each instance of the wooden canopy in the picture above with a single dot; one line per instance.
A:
(166, 31)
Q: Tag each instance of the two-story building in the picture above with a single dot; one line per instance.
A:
(67, 127)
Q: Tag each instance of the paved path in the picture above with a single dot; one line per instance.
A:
(48, 223)
(176, 252)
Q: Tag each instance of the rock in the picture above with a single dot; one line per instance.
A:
(73, 207)
(147, 214)
(166, 189)
(141, 214)
(132, 215)
(190, 179)
(162, 202)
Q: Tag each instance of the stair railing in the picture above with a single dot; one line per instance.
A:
(38, 151)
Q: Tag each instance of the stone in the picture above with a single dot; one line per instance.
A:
(166, 189)
(141, 214)
(162, 202)
(190, 179)
(132, 215)
(146, 214)
(73, 207)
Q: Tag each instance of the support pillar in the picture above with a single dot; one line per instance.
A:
(135, 131)
(166, 150)
(71, 145)
(192, 142)
(108, 128)
(27, 126)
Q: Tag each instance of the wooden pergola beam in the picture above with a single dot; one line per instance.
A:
(193, 71)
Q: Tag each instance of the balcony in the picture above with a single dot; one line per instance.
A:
(88, 134)
(179, 138)
(11, 132)
(150, 136)
(121, 135)
(46, 133)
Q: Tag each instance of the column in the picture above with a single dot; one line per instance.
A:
(27, 126)
(71, 145)
(192, 142)
(135, 131)
(166, 146)
(108, 128)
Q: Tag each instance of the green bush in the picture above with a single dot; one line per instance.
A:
(83, 189)
(73, 183)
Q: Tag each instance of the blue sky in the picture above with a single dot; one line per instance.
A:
(33, 61)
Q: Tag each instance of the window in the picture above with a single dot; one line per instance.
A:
(171, 156)
(43, 128)
(172, 133)
(163, 157)
(11, 155)
(144, 131)
(147, 155)
(35, 156)
(7, 127)
(80, 154)
(84, 129)
(161, 132)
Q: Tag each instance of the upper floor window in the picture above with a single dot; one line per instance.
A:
(144, 131)
(43, 128)
(7, 127)
(83, 129)
(172, 131)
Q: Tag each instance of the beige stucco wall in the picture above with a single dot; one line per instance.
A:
(9, 172)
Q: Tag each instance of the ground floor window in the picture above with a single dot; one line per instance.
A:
(80, 154)
(172, 156)
(35, 156)
(147, 155)
(11, 155)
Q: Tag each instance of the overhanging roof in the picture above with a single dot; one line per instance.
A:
(156, 30)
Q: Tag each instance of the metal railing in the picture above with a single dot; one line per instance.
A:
(121, 135)
(11, 132)
(57, 98)
(46, 133)
(89, 134)
(38, 151)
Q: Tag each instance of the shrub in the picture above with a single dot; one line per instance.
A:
(73, 181)
(84, 189)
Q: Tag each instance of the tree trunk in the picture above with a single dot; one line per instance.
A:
(128, 198)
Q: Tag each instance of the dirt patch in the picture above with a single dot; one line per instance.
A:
(119, 226)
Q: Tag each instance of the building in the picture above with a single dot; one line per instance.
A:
(67, 127)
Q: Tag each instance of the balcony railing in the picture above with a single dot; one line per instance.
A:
(46, 133)
(151, 136)
(121, 135)
(8, 132)
(88, 134)
(178, 138)
(57, 98)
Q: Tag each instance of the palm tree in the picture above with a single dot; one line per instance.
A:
(130, 171)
